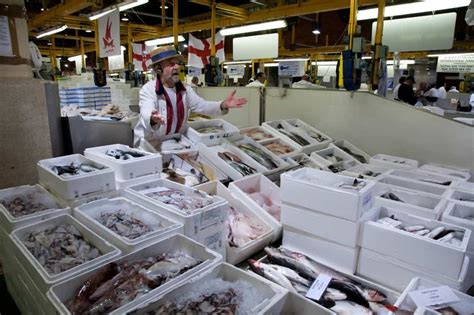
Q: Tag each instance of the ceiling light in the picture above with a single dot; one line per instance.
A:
(130, 4)
(412, 8)
(270, 64)
(185, 45)
(237, 62)
(451, 55)
(88, 31)
(254, 28)
(42, 9)
(98, 14)
(166, 7)
(402, 61)
(51, 31)
(164, 40)
(294, 59)
(316, 32)
(317, 29)
(74, 58)
(125, 19)
(50, 44)
(325, 63)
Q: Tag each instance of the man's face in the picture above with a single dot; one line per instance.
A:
(409, 82)
(262, 79)
(170, 70)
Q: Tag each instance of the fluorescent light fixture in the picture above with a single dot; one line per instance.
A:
(402, 62)
(98, 14)
(164, 40)
(166, 7)
(294, 59)
(185, 45)
(325, 63)
(130, 4)
(237, 62)
(88, 31)
(125, 19)
(51, 31)
(366, 57)
(412, 8)
(254, 28)
(451, 55)
(316, 32)
(270, 64)
(74, 58)
(50, 44)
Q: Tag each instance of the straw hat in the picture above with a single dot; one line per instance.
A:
(162, 53)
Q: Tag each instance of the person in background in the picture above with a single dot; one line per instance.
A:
(305, 83)
(165, 102)
(405, 91)
(259, 80)
(441, 87)
(395, 89)
(194, 82)
(453, 89)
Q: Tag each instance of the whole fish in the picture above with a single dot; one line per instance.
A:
(235, 161)
(210, 129)
(422, 232)
(334, 294)
(356, 185)
(350, 308)
(414, 228)
(435, 232)
(336, 168)
(293, 136)
(278, 148)
(358, 157)
(445, 183)
(124, 155)
(391, 196)
(292, 275)
(271, 274)
(241, 229)
(443, 234)
(258, 155)
(258, 134)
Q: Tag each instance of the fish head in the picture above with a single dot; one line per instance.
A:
(374, 295)
(255, 266)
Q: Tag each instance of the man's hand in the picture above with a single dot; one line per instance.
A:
(233, 102)
(156, 119)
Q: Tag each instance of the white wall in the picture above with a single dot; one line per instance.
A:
(246, 116)
(378, 125)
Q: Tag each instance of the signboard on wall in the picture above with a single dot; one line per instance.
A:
(255, 47)
(109, 35)
(236, 70)
(456, 63)
(291, 68)
(194, 72)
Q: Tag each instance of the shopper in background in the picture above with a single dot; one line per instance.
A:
(259, 80)
(305, 83)
(406, 93)
(194, 82)
(441, 87)
(165, 102)
(395, 89)
(453, 89)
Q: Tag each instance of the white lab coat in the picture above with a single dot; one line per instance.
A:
(255, 83)
(442, 92)
(395, 91)
(150, 101)
(303, 84)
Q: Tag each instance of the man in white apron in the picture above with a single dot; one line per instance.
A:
(165, 103)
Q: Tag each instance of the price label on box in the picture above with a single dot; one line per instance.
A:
(433, 296)
(318, 287)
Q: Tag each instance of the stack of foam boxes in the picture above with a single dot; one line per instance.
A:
(123, 96)
(85, 97)
(321, 215)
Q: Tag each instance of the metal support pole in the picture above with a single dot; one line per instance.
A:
(83, 58)
(352, 21)
(97, 48)
(163, 13)
(213, 29)
(175, 22)
(374, 79)
(53, 52)
(129, 40)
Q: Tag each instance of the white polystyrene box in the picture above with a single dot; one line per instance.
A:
(195, 222)
(42, 278)
(236, 255)
(461, 185)
(465, 304)
(64, 291)
(89, 214)
(321, 157)
(9, 223)
(122, 184)
(367, 171)
(304, 160)
(126, 169)
(317, 190)
(461, 196)
(407, 246)
(413, 202)
(75, 186)
(169, 146)
(267, 135)
(346, 146)
(339, 257)
(462, 174)
(426, 177)
(282, 141)
(258, 183)
(396, 274)
(392, 161)
(296, 304)
(211, 154)
(271, 293)
(327, 227)
(458, 214)
(411, 184)
(281, 164)
(230, 131)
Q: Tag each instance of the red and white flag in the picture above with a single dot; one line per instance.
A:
(199, 50)
(141, 56)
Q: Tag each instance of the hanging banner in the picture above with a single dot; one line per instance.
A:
(456, 63)
(236, 70)
(109, 35)
(291, 68)
(199, 50)
(117, 62)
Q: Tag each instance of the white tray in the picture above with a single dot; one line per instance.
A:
(393, 161)
(236, 255)
(346, 144)
(347, 159)
(303, 157)
(462, 174)
(42, 278)
(296, 304)
(424, 177)
(166, 147)
(65, 290)
(244, 132)
(76, 186)
(259, 183)
(411, 184)
(406, 246)
(126, 169)
(210, 139)
(317, 190)
(414, 202)
(362, 171)
(195, 222)
(272, 294)
(461, 196)
(89, 214)
(283, 141)
(455, 214)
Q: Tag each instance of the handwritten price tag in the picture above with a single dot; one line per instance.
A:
(433, 296)
(318, 287)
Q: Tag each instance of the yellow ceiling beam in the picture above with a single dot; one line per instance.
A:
(66, 8)
(309, 7)
(225, 9)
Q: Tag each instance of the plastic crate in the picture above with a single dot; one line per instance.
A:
(192, 133)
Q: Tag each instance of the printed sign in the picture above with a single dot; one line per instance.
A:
(456, 63)
(194, 72)
(433, 296)
(291, 68)
(236, 70)
(318, 287)
(109, 35)
(5, 38)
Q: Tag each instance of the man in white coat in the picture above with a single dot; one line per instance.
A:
(304, 83)
(165, 103)
(259, 80)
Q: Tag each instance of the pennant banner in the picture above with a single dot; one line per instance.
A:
(109, 35)
(141, 56)
(199, 50)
